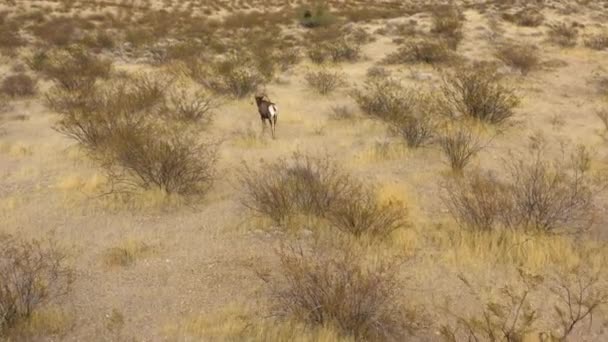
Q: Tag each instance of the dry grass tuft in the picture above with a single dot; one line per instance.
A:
(125, 254)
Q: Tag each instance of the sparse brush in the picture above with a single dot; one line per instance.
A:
(59, 31)
(447, 23)
(524, 58)
(9, 36)
(186, 107)
(385, 99)
(509, 317)
(459, 146)
(319, 16)
(537, 195)
(18, 85)
(478, 201)
(237, 76)
(598, 41)
(74, 69)
(529, 17)
(147, 157)
(361, 214)
(417, 129)
(32, 273)
(338, 50)
(479, 94)
(343, 113)
(324, 81)
(361, 301)
(90, 117)
(300, 184)
(553, 195)
(421, 51)
(377, 72)
(562, 34)
(581, 293)
(288, 58)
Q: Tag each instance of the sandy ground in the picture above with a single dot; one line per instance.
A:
(199, 257)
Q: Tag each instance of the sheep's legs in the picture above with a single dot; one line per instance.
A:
(263, 125)
(273, 125)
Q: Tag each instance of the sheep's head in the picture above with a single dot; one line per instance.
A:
(259, 99)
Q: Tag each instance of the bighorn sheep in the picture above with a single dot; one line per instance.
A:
(268, 111)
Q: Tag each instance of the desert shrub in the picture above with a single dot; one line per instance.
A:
(508, 317)
(18, 85)
(237, 76)
(360, 36)
(478, 93)
(460, 145)
(300, 184)
(537, 195)
(416, 129)
(9, 35)
(367, 13)
(345, 113)
(524, 58)
(447, 23)
(139, 36)
(119, 127)
(409, 113)
(377, 72)
(74, 69)
(318, 55)
(384, 99)
(338, 50)
(597, 41)
(288, 58)
(362, 214)
(580, 294)
(186, 107)
(32, 274)
(344, 50)
(529, 17)
(148, 157)
(319, 16)
(100, 40)
(421, 51)
(324, 81)
(361, 301)
(552, 195)
(478, 201)
(60, 31)
(562, 34)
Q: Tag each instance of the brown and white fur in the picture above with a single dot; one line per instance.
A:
(268, 111)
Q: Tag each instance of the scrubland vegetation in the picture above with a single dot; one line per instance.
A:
(439, 171)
